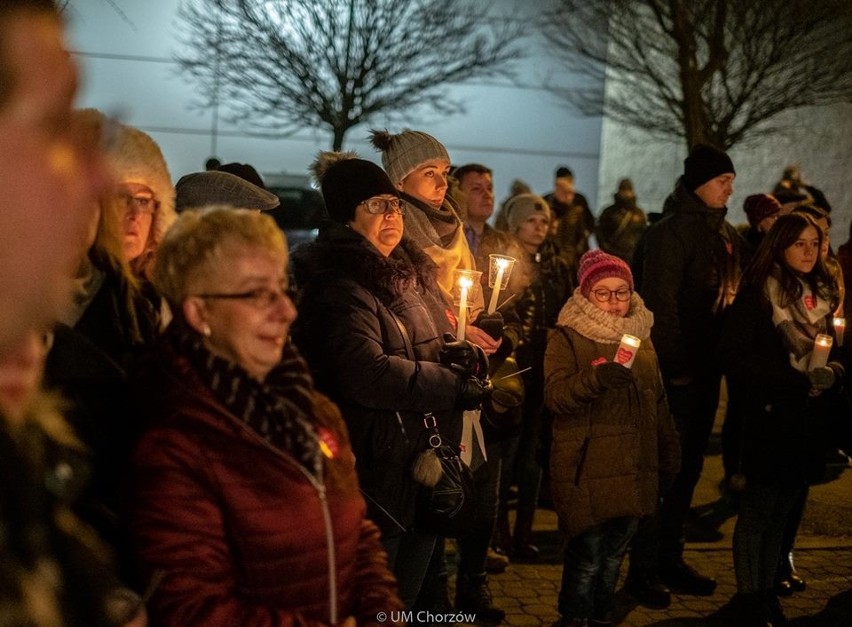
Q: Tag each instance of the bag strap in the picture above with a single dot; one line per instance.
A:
(430, 422)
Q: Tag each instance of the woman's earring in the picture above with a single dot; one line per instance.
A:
(206, 331)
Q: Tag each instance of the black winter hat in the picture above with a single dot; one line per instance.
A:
(347, 181)
(703, 164)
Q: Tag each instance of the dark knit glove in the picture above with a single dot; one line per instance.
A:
(492, 324)
(821, 378)
(472, 392)
(463, 357)
(613, 376)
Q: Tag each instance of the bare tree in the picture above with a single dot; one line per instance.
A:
(279, 66)
(708, 71)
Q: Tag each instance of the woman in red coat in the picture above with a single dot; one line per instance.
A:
(245, 502)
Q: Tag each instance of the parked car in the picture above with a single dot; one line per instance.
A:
(300, 213)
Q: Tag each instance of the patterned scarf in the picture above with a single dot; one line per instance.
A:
(799, 322)
(278, 409)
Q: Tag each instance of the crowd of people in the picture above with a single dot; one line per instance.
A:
(200, 426)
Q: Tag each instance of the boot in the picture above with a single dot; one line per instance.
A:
(474, 596)
(787, 579)
(524, 547)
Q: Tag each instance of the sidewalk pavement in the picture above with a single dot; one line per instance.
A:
(823, 556)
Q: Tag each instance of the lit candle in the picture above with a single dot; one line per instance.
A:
(819, 356)
(503, 266)
(839, 329)
(465, 284)
(626, 352)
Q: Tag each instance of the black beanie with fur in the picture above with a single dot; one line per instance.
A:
(347, 181)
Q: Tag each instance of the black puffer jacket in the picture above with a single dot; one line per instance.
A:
(371, 329)
(689, 268)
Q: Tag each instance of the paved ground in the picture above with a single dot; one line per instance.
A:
(528, 591)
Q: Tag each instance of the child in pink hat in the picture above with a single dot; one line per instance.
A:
(614, 441)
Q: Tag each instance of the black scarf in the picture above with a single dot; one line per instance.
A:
(278, 409)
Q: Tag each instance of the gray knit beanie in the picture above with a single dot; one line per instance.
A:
(405, 152)
(522, 206)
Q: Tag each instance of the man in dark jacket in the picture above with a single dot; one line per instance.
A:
(691, 262)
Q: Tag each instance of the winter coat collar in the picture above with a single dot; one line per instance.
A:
(597, 325)
(681, 200)
(342, 251)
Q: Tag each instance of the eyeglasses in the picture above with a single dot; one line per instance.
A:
(603, 296)
(260, 298)
(139, 204)
(379, 206)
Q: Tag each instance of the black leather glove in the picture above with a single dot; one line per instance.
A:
(492, 324)
(821, 378)
(464, 357)
(613, 376)
(472, 392)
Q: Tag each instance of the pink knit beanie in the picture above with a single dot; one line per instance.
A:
(596, 265)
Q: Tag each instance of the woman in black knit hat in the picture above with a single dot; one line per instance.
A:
(371, 327)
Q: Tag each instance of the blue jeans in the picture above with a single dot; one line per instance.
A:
(408, 557)
(590, 570)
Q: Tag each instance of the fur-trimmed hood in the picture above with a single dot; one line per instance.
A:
(342, 252)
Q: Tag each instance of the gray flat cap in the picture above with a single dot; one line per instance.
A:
(221, 188)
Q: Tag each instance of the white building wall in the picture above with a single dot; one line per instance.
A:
(819, 140)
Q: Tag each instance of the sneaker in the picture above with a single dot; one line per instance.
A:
(649, 591)
(495, 563)
(683, 579)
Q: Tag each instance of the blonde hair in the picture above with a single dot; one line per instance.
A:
(195, 245)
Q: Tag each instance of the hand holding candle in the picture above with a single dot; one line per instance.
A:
(465, 282)
(498, 277)
(822, 347)
(627, 350)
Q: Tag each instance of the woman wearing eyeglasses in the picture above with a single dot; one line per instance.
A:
(371, 327)
(245, 504)
(614, 442)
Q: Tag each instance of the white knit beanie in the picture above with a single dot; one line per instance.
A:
(406, 151)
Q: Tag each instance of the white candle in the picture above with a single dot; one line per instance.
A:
(627, 350)
(498, 282)
(819, 356)
(465, 284)
(839, 329)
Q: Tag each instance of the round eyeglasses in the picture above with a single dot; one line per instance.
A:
(379, 206)
(139, 204)
(603, 296)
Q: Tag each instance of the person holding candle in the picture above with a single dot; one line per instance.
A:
(372, 327)
(786, 300)
(615, 446)
(418, 165)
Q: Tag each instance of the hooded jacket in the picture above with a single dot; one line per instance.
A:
(371, 329)
(611, 448)
(688, 271)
